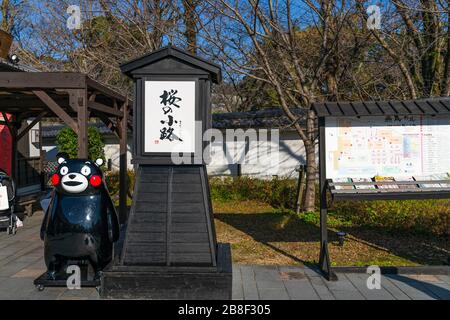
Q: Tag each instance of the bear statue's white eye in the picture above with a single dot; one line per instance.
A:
(64, 171)
(86, 170)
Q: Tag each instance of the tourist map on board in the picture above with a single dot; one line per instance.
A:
(389, 146)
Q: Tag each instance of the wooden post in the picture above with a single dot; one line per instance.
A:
(123, 176)
(41, 159)
(82, 124)
(324, 260)
(300, 188)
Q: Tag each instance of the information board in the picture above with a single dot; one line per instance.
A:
(387, 146)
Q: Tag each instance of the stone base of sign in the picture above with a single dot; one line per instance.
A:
(170, 282)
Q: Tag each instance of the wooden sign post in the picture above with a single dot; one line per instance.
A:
(170, 249)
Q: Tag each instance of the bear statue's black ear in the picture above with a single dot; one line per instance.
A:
(61, 157)
(99, 162)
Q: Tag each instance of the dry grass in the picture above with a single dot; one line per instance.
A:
(258, 234)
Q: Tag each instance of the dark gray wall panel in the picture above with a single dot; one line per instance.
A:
(171, 217)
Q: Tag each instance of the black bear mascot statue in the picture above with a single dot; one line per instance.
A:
(81, 222)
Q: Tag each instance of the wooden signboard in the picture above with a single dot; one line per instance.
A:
(170, 249)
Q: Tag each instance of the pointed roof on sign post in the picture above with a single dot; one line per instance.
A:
(172, 52)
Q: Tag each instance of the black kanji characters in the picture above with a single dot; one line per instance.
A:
(169, 99)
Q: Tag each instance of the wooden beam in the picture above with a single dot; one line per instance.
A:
(123, 176)
(57, 110)
(73, 98)
(105, 109)
(93, 96)
(20, 110)
(31, 125)
(41, 160)
(92, 84)
(83, 125)
(110, 124)
(24, 102)
(42, 80)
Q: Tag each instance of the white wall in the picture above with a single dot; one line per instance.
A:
(34, 151)
(291, 155)
(112, 151)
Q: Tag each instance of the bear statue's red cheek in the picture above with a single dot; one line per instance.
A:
(55, 179)
(95, 181)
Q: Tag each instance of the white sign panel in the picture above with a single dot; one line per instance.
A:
(169, 116)
(392, 146)
(4, 204)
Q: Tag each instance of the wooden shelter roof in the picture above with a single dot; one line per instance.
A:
(17, 93)
(72, 97)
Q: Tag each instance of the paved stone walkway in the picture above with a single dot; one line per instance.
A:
(301, 283)
(21, 261)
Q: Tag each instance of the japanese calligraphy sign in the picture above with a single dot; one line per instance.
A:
(169, 123)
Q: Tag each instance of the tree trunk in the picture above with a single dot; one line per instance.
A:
(6, 23)
(311, 167)
(432, 55)
(158, 22)
(446, 82)
(190, 25)
(310, 194)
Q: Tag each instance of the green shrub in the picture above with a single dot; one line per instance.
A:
(112, 182)
(279, 193)
(67, 141)
(426, 216)
(283, 193)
